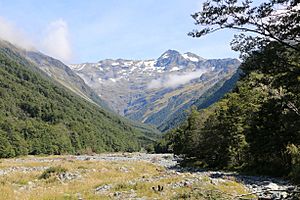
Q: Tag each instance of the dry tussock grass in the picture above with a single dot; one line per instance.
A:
(124, 178)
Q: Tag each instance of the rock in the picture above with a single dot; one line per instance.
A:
(67, 176)
(187, 184)
(30, 183)
(132, 194)
(291, 188)
(124, 169)
(284, 195)
(214, 181)
(117, 194)
(103, 188)
(79, 196)
(272, 186)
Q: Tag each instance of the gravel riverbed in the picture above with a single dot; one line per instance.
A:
(263, 187)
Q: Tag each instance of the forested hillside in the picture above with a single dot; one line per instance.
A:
(39, 116)
(64, 75)
(255, 128)
(208, 98)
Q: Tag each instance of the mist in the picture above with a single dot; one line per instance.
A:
(175, 80)
(55, 40)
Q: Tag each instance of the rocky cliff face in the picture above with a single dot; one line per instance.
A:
(152, 91)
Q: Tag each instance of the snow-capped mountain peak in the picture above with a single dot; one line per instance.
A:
(168, 58)
(127, 84)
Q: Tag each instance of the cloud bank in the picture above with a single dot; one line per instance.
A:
(175, 80)
(55, 42)
(9, 32)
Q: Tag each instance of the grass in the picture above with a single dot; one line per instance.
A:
(126, 180)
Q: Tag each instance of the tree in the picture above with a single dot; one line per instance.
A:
(191, 133)
(6, 149)
(276, 20)
(276, 123)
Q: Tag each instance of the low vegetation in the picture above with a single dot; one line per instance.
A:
(39, 178)
(52, 171)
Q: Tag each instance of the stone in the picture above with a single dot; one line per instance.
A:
(103, 188)
(124, 169)
(67, 176)
(272, 186)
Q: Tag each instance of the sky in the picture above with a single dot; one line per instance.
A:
(77, 31)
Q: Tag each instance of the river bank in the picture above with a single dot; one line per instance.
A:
(128, 176)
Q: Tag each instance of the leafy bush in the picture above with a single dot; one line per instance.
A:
(294, 152)
(52, 171)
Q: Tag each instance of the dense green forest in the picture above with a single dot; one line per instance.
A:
(256, 127)
(39, 116)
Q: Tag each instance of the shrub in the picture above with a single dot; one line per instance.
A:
(52, 171)
(294, 152)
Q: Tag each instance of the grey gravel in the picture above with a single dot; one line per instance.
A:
(21, 169)
(263, 187)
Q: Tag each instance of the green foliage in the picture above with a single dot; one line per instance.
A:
(280, 26)
(253, 125)
(39, 116)
(166, 143)
(6, 149)
(52, 171)
(256, 127)
(294, 152)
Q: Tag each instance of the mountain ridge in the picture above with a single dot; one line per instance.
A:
(40, 116)
(49, 105)
(142, 89)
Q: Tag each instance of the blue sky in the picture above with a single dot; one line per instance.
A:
(90, 30)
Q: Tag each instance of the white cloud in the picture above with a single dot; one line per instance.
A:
(174, 80)
(155, 84)
(56, 42)
(9, 32)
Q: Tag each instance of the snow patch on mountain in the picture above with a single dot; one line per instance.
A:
(193, 59)
(174, 69)
(77, 67)
(115, 64)
(112, 79)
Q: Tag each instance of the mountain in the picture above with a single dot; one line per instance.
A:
(62, 74)
(41, 116)
(155, 91)
(209, 97)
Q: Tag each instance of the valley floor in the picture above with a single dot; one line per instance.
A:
(125, 176)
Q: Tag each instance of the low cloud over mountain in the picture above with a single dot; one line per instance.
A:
(175, 80)
(54, 40)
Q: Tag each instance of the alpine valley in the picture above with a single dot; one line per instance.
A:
(52, 108)
(47, 109)
(160, 91)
